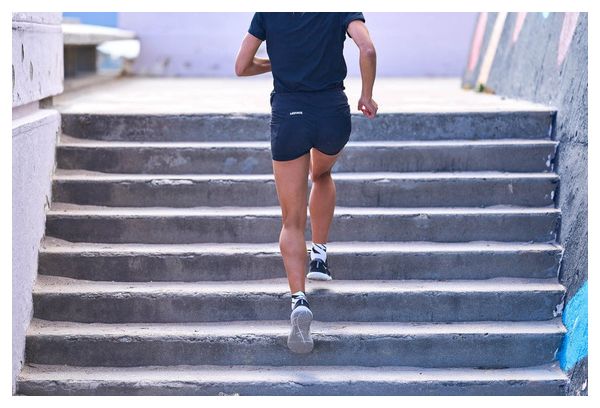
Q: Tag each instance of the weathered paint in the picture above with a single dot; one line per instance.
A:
(490, 53)
(518, 26)
(575, 318)
(566, 35)
(37, 57)
(477, 41)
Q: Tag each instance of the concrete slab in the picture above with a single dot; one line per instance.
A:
(146, 95)
(289, 380)
(88, 34)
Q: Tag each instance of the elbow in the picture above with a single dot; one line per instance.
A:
(368, 51)
(239, 70)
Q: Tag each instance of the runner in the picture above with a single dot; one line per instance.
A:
(310, 125)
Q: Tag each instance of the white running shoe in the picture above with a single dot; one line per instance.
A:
(300, 340)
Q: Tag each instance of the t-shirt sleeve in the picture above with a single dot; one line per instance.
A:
(257, 27)
(348, 18)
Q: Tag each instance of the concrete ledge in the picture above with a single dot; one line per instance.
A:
(34, 137)
(37, 18)
(37, 58)
(87, 34)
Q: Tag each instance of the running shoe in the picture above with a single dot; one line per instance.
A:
(300, 340)
(319, 270)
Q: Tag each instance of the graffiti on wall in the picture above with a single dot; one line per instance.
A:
(483, 50)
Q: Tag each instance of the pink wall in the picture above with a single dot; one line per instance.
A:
(205, 44)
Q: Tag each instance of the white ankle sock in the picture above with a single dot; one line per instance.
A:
(318, 251)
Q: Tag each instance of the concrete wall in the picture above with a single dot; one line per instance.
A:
(37, 72)
(543, 57)
(206, 44)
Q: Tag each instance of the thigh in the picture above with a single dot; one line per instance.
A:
(291, 182)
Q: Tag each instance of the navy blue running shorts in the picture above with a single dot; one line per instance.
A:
(303, 120)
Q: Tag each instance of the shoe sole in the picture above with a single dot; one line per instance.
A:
(320, 276)
(300, 340)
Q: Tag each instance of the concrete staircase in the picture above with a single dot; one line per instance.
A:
(160, 271)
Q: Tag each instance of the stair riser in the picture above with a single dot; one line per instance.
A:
(245, 160)
(369, 265)
(452, 350)
(128, 307)
(296, 388)
(354, 193)
(524, 227)
(395, 126)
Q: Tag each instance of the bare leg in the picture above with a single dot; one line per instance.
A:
(322, 194)
(291, 181)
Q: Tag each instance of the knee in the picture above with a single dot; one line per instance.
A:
(294, 220)
(317, 177)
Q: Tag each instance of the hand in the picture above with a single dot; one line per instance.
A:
(367, 106)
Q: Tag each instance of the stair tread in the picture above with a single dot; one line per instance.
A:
(69, 174)
(40, 327)
(59, 208)
(47, 284)
(311, 374)
(70, 141)
(56, 245)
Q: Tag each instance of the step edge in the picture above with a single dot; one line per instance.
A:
(268, 249)
(548, 372)
(64, 175)
(41, 328)
(47, 285)
(81, 210)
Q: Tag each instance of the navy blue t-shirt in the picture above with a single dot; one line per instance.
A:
(305, 49)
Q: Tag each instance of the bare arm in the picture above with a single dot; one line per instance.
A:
(247, 63)
(368, 64)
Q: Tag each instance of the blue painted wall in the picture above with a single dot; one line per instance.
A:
(575, 319)
(103, 19)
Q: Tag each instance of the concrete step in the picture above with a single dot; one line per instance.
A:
(154, 225)
(509, 155)
(38, 379)
(373, 344)
(347, 260)
(57, 298)
(353, 189)
(520, 124)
